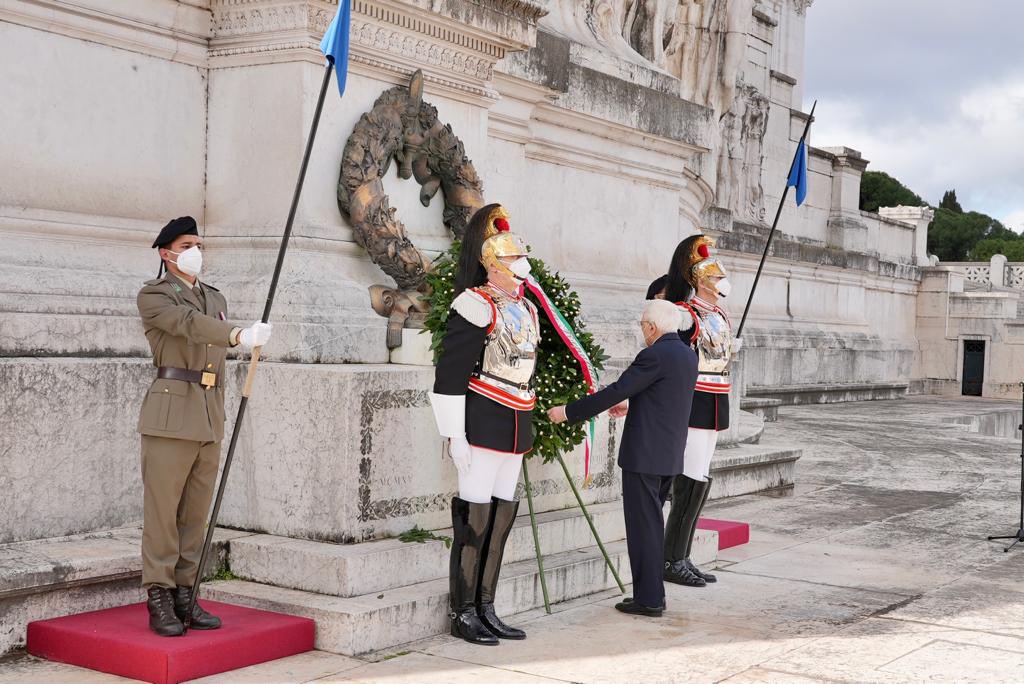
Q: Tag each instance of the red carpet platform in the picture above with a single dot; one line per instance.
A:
(729, 533)
(118, 641)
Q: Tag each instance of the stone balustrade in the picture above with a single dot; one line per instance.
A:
(1005, 274)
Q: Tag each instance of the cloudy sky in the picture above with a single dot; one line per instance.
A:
(930, 91)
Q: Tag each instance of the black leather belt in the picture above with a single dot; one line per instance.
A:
(207, 380)
(520, 385)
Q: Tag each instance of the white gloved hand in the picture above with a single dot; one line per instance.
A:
(256, 335)
(461, 453)
(737, 344)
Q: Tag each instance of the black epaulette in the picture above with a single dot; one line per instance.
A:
(210, 287)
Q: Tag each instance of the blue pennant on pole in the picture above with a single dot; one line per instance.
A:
(798, 173)
(335, 42)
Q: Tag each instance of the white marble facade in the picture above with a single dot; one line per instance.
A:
(607, 146)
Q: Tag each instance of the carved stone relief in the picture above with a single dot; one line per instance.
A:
(741, 153)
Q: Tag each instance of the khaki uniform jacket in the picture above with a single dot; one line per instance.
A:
(182, 335)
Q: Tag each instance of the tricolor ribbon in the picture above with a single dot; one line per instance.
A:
(568, 335)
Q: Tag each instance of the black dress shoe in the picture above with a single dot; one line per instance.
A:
(162, 619)
(467, 626)
(629, 599)
(200, 618)
(631, 607)
(706, 576)
(494, 623)
(679, 573)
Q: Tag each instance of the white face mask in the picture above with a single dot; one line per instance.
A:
(724, 287)
(189, 262)
(520, 268)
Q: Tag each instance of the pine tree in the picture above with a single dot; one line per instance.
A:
(949, 202)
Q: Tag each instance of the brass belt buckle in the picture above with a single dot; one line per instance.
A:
(209, 380)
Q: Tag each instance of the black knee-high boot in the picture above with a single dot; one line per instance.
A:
(687, 499)
(706, 576)
(470, 522)
(503, 515)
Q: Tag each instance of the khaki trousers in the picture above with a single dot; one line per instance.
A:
(178, 476)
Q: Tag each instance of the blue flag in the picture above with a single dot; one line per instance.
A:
(798, 173)
(335, 42)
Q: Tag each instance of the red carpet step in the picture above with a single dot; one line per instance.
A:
(729, 533)
(118, 641)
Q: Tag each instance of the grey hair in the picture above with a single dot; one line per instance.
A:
(664, 315)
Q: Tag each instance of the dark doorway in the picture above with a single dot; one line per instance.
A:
(974, 367)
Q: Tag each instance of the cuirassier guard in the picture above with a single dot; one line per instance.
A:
(696, 281)
(483, 400)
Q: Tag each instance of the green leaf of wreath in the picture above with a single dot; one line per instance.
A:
(558, 379)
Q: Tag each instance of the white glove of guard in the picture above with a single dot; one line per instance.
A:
(461, 453)
(256, 335)
(737, 344)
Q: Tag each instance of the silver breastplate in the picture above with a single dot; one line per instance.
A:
(510, 354)
(714, 343)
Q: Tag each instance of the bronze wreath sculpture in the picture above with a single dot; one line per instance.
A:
(404, 127)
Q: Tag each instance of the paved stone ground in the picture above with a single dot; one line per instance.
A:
(875, 569)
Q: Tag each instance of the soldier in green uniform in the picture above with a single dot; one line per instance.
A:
(182, 422)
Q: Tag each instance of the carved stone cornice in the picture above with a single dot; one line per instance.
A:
(528, 10)
(456, 43)
(174, 31)
(801, 6)
(233, 18)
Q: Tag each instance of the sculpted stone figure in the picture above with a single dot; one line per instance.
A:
(646, 26)
(705, 48)
(738, 172)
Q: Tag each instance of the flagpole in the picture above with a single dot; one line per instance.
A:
(778, 213)
(254, 361)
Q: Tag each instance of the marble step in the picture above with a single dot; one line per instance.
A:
(750, 468)
(828, 393)
(765, 407)
(751, 427)
(348, 570)
(361, 624)
(48, 578)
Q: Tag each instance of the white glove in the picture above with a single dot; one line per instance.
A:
(256, 335)
(461, 453)
(737, 344)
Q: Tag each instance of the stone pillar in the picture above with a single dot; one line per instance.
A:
(919, 218)
(737, 380)
(846, 229)
(997, 270)
(847, 167)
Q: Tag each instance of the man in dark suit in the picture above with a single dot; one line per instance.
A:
(659, 388)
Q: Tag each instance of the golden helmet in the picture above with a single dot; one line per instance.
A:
(703, 265)
(500, 242)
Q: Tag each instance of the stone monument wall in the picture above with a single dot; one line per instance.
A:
(607, 150)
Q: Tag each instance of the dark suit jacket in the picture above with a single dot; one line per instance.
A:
(659, 385)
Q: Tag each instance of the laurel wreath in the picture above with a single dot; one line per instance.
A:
(557, 379)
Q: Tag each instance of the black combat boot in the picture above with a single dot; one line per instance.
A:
(503, 515)
(162, 619)
(200, 618)
(688, 497)
(469, 524)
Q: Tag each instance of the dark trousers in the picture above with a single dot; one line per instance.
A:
(643, 499)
